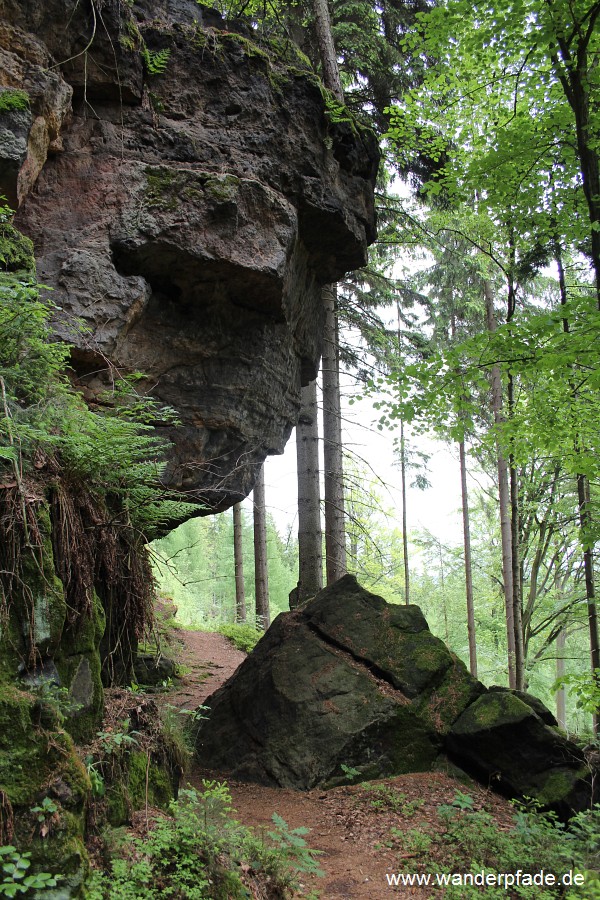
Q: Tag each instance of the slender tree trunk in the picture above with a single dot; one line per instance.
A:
(561, 700)
(310, 538)
(335, 530)
(516, 564)
(404, 513)
(574, 75)
(238, 556)
(335, 539)
(504, 501)
(331, 72)
(468, 561)
(261, 575)
(583, 498)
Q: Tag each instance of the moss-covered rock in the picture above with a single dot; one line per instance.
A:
(350, 682)
(47, 787)
(502, 740)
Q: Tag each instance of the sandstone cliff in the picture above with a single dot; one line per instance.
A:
(187, 218)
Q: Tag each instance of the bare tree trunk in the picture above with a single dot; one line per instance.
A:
(238, 556)
(310, 538)
(404, 513)
(504, 502)
(516, 567)
(468, 561)
(331, 72)
(335, 530)
(583, 496)
(561, 702)
(261, 575)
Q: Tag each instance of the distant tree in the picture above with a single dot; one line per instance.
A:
(238, 554)
(310, 539)
(261, 572)
(333, 456)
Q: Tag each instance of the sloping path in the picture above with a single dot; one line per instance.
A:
(361, 838)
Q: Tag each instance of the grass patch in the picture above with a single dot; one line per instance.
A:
(244, 637)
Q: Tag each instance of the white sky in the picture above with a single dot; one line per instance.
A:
(436, 509)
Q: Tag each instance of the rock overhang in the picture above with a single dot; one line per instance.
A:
(189, 219)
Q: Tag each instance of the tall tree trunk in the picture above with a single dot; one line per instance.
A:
(561, 700)
(504, 501)
(468, 560)
(310, 538)
(516, 564)
(404, 513)
(583, 499)
(331, 72)
(238, 556)
(335, 530)
(573, 63)
(583, 496)
(335, 538)
(261, 575)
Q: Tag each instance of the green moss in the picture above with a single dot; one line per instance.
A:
(431, 657)
(11, 100)
(162, 186)
(558, 786)
(249, 48)
(43, 615)
(492, 710)
(160, 790)
(29, 755)
(222, 188)
(118, 806)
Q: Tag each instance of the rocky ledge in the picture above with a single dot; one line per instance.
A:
(188, 195)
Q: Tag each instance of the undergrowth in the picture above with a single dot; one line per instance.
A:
(467, 840)
(200, 852)
(244, 637)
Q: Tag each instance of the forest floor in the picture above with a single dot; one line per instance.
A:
(363, 831)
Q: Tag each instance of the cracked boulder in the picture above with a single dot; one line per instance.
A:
(350, 682)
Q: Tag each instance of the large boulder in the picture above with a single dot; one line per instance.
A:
(346, 681)
(350, 682)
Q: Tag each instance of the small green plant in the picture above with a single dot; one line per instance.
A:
(96, 778)
(113, 741)
(350, 772)
(47, 815)
(15, 877)
(291, 842)
(414, 840)
(388, 798)
(58, 699)
(155, 61)
(46, 811)
(460, 801)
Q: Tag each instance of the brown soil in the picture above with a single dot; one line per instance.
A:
(358, 833)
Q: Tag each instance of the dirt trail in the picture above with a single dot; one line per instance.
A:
(361, 838)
